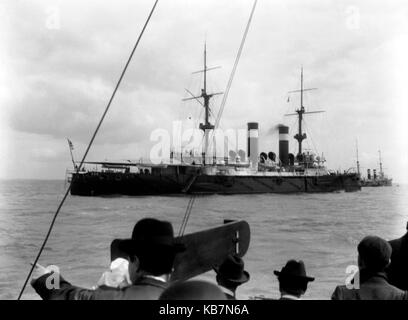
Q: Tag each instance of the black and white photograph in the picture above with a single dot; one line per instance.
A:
(246, 150)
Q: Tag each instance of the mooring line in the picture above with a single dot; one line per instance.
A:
(186, 215)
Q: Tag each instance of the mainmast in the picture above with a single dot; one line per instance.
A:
(358, 162)
(207, 125)
(300, 136)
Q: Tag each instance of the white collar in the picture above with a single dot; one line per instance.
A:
(290, 297)
(228, 291)
(158, 278)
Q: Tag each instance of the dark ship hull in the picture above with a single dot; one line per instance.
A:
(172, 180)
(377, 183)
(375, 180)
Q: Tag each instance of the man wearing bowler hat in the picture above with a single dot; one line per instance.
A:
(150, 251)
(374, 255)
(230, 275)
(293, 280)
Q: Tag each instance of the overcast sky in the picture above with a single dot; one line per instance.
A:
(60, 60)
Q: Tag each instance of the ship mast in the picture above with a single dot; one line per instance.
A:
(381, 169)
(207, 125)
(300, 136)
(358, 162)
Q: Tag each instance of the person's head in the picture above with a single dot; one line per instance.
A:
(231, 273)
(152, 248)
(293, 279)
(374, 254)
(193, 290)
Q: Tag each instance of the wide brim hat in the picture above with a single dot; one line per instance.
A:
(294, 269)
(232, 269)
(151, 234)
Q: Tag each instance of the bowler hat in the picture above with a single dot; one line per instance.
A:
(151, 234)
(294, 269)
(375, 252)
(232, 269)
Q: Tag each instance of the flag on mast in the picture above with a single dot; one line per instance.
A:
(71, 146)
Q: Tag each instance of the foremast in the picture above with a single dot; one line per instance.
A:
(358, 161)
(207, 125)
(381, 168)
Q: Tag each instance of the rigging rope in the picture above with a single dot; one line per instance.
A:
(224, 100)
(86, 152)
(186, 216)
(231, 78)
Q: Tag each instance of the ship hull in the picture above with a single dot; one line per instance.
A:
(377, 183)
(132, 184)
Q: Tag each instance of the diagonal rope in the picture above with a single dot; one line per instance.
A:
(231, 78)
(186, 216)
(86, 152)
(223, 102)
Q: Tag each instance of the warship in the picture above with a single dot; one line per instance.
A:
(251, 172)
(375, 180)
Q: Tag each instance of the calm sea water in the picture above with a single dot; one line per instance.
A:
(321, 229)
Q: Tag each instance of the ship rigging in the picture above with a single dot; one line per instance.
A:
(206, 126)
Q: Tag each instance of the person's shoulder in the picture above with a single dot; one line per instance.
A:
(111, 293)
(396, 242)
(338, 293)
(403, 295)
(147, 289)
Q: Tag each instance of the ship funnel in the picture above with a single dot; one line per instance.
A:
(284, 145)
(253, 135)
(368, 174)
(374, 174)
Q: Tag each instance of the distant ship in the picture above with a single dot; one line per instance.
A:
(249, 173)
(376, 180)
